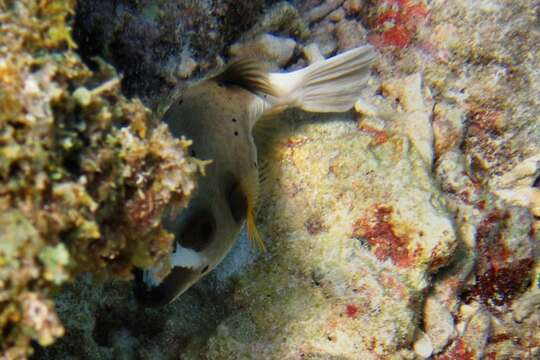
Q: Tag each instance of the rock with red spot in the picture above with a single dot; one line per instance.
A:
(505, 252)
(361, 277)
(351, 310)
(475, 329)
(459, 350)
(395, 22)
(384, 240)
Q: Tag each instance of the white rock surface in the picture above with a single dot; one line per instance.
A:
(266, 47)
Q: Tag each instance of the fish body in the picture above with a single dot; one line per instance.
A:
(218, 114)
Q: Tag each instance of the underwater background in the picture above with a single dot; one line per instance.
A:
(407, 228)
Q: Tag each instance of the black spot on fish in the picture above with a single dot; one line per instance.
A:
(180, 101)
(233, 120)
(236, 133)
(198, 231)
(237, 201)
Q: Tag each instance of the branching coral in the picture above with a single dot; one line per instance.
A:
(85, 175)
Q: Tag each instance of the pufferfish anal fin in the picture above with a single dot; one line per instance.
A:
(247, 74)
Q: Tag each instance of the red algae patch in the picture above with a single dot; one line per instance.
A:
(458, 351)
(501, 275)
(379, 136)
(351, 310)
(395, 22)
(485, 120)
(380, 234)
(499, 286)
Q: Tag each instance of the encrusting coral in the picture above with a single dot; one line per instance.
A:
(85, 174)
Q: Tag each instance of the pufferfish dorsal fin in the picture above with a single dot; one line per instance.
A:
(247, 74)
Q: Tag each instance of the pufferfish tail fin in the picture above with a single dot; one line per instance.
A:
(331, 85)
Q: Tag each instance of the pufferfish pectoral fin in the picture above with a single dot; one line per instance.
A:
(252, 196)
(242, 201)
(253, 232)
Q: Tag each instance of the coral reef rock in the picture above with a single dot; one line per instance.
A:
(85, 174)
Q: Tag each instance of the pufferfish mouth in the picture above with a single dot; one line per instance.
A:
(179, 279)
(187, 266)
(187, 262)
(145, 295)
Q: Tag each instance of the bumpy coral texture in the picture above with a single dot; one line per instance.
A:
(85, 175)
(406, 230)
(151, 42)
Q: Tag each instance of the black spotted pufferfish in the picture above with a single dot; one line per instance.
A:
(219, 114)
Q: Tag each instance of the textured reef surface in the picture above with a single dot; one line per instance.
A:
(407, 228)
(85, 174)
